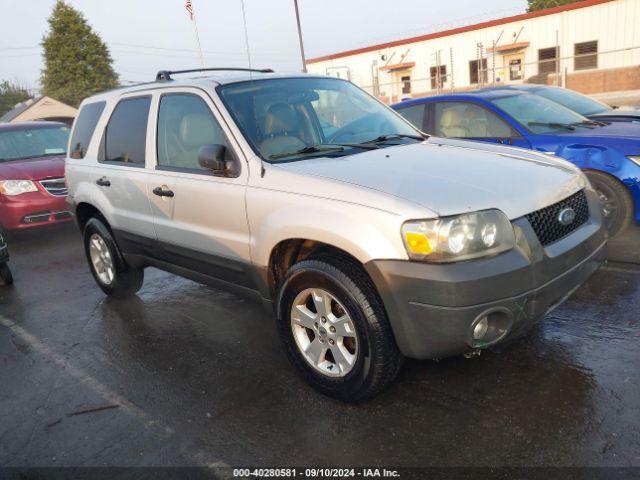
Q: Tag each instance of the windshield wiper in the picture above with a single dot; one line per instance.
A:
(327, 147)
(391, 136)
(589, 124)
(566, 126)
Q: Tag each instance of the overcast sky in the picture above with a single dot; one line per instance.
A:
(147, 35)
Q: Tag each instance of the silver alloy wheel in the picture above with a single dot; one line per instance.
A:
(324, 332)
(101, 259)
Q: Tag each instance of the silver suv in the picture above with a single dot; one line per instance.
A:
(369, 240)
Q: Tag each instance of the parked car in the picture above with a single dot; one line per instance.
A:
(32, 188)
(578, 102)
(368, 243)
(609, 153)
(5, 272)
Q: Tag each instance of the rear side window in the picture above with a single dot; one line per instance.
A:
(85, 126)
(415, 115)
(125, 137)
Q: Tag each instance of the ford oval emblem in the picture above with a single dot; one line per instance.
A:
(567, 216)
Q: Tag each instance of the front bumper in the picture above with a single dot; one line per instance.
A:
(433, 307)
(32, 210)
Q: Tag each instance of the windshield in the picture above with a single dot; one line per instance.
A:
(30, 142)
(538, 114)
(573, 100)
(293, 118)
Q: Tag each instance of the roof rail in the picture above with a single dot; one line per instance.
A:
(165, 75)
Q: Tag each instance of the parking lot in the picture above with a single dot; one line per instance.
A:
(187, 375)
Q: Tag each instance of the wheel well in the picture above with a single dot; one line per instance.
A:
(85, 212)
(289, 252)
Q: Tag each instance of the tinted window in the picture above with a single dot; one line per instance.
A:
(126, 134)
(185, 124)
(84, 128)
(31, 142)
(467, 120)
(415, 114)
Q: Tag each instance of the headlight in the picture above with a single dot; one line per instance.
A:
(462, 237)
(635, 159)
(17, 187)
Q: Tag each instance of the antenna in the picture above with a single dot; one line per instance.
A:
(246, 33)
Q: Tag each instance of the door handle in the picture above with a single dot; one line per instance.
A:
(161, 192)
(103, 182)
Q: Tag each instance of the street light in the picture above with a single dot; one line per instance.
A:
(304, 62)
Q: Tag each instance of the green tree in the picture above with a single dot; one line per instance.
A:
(542, 4)
(10, 95)
(77, 63)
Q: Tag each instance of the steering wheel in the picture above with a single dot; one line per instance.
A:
(373, 124)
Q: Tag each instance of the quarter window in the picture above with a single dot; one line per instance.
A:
(85, 126)
(125, 137)
(466, 120)
(185, 125)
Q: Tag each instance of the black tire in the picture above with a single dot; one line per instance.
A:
(617, 204)
(378, 359)
(5, 274)
(127, 280)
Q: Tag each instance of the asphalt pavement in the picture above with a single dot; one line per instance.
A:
(184, 374)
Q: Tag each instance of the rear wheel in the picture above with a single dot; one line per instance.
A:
(112, 274)
(5, 274)
(617, 204)
(335, 329)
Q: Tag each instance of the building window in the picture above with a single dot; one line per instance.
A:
(586, 55)
(438, 76)
(476, 75)
(406, 84)
(548, 60)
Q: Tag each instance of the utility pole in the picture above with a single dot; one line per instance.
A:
(304, 61)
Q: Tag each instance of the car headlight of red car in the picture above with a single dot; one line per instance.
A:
(17, 187)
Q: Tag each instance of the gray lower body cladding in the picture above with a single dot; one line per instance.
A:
(433, 307)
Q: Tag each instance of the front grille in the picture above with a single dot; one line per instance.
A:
(546, 222)
(55, 186)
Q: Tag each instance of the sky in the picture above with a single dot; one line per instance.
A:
(145, 36)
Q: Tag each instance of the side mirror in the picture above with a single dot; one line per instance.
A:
(213, 157)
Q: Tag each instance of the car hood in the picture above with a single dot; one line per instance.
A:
(451, 176)
(32, 168)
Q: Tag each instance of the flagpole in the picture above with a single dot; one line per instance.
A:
(192, 13)
(304, 61)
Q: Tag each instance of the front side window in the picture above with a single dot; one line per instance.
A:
(84, 128)
(538, 114)
(322, 116)
(185, 125)
(33, 142)
(125, 137)
(467, 120)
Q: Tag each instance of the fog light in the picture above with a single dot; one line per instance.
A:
(480, 330)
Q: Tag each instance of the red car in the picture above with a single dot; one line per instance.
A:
(32, 187)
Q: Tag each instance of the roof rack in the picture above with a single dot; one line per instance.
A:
(165, 75)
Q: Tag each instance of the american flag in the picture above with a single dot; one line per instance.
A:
(189, 8)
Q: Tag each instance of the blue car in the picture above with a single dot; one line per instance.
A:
(608, 152)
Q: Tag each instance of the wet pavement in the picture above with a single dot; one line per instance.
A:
(195, 376)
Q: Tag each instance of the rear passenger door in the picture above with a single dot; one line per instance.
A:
(123, 176)
(202, 224)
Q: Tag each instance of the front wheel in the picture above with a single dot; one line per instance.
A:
(5, 274)
(617, 205)
(335, 329)
(112, 274)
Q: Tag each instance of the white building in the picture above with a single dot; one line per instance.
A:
(592, 46)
